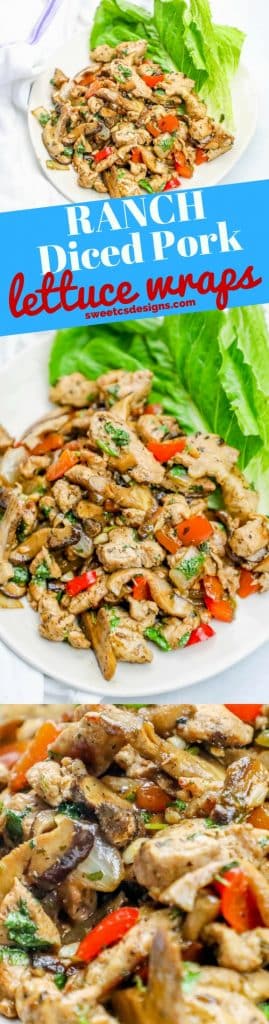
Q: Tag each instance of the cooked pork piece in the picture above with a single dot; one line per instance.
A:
(202, 723)
(245, 952)
(190, 771)
(98, 737)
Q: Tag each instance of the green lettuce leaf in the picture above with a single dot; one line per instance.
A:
(210, 370)
(182, 35)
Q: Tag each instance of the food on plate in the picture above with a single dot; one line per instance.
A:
(128, 126)
(121, 529)
(134, 865)
(210, 370)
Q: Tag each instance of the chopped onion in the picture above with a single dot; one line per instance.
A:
(10, 463)
(67, 952)
(84, 545)
(177, 742)
(131, 851)
(103, 867)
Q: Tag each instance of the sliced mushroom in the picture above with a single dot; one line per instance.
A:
(98, 632)
(31, 546)
(58, 852)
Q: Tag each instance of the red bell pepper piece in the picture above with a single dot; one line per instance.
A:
(247, 712)
(79, 583)
(168, 123)
(194, 530)
(136, 156)
(165, 450)
(50, 443)
(173, 182)
(102, 154)
(66, 460)
(169, 543)
(259, 818)
(36, 750)
(153, 80)
(238, 904)
(203, 632)
(141, 591)
(200, 157)
(154, 408)
(247, 584)
(110, 930)
(213, 587)
(221, 610)
(182, 166)
(154, 131)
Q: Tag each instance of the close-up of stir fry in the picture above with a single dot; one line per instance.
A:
(127, 126)
(134, 878)
(120, 529)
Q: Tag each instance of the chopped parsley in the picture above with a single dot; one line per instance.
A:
(191, 973)
(13, 824)
(125, 73)
(70, 809)
(156, 636)
(46, 510)
(264, 1007)
(139, 984)
(215, 500)
(178, 471)
(16, 957)
(71, 517)
(43, 119)
(191, 565)
(22, 930)
(114, 620)
(60, 979)
(118, 434)
(179, 805)
(42, 572)
(20, 576)
(167, 142)
(21, 531)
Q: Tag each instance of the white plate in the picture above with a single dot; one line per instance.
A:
(72, 58)
(23, 390)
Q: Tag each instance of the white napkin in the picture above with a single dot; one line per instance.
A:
(29, 34)
(18, 682)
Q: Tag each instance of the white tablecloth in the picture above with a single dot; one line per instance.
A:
(22, 186)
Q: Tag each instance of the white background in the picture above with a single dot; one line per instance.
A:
(22, 186)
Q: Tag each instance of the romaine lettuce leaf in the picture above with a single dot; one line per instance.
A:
(180, 34)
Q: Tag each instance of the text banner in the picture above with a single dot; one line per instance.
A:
(144, 256)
